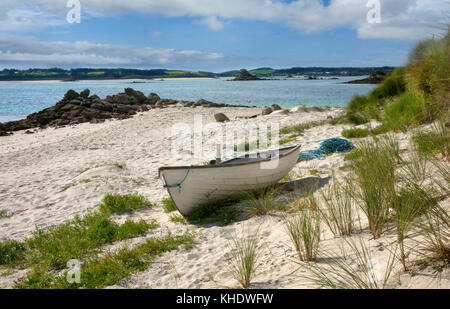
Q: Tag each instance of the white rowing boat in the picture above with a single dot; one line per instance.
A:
(193, 186)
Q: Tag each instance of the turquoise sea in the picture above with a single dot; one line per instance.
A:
(18, 99)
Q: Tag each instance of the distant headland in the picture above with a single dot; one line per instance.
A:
(120, 73)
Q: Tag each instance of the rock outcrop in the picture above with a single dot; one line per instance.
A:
(221, 117)
(266, 111)
(77, 108)
(245, 75)
(374, 78)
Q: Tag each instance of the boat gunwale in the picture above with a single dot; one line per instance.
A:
(294, 148)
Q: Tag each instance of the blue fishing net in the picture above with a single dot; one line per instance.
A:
(330, 145)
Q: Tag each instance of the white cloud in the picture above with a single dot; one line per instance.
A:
(212, 22)
(25, 51)
(401, 19)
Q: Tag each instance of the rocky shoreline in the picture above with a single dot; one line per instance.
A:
(82, 107)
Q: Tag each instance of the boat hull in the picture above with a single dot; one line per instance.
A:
(205, 184)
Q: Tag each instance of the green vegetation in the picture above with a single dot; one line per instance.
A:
(355, 133)
(168, 205)
(245, 258)
(119, 204)
(411, 95)
(109, 269)
(339, 214)
(344, 273)
(93, 74)
(436, 141)
(260, 202)
(175, 218)
(409, 203)
(375, 175)
(436, 231)
(5, 214)
(118, 165)
(304, 232)
(216, 212)
(50, 250)
(67, 187)
(11, 252)
(314, 172)
(364, 132)
(406, 110)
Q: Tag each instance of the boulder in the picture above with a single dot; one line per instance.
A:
(71, 95)
(275, 107)
(266, 111)
(85, 93)
(152, 98)
(221, 117)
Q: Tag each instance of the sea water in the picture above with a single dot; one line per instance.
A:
(18, 99)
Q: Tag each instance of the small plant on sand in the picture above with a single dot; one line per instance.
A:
(11, 251)
(175, 218)
(118, 204)
(374, 181)
(442, 177)
(314, 172)
(222, 212)
(358, 270)
(355, 133)
(415, 168)
(409, 203)
(67, 187)
(435, 229)
(5, 214)
(245, 258)
(436, 141)
(168, 205)
(304, 231)
(339, 214)
(260, 202)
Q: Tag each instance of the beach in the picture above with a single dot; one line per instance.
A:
(53, 175)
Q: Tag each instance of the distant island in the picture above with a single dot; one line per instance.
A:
(111, 74)
(374, 78)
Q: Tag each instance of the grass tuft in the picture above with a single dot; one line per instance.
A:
(11, 252)
(375, 177)
(304, 232)
(245, 258)
(119, 204)
(360, 272)
(168, 205)
(339, 214)
(436, 141)
(260, 202)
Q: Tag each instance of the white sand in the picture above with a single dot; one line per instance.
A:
(34, 169)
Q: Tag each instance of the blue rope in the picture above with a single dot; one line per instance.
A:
(178, 185)
(331, 145)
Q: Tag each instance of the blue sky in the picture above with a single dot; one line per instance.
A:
(214, 35)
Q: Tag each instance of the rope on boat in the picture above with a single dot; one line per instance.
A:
(178, 185)
(330, 145)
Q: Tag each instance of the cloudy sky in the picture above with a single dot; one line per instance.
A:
(214, 35)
